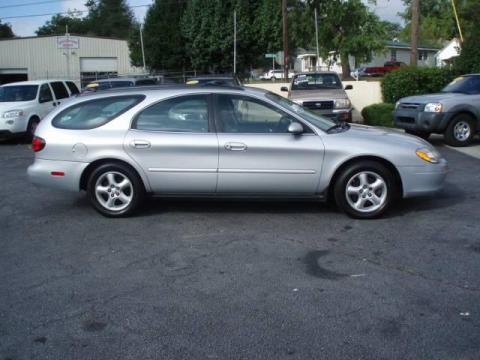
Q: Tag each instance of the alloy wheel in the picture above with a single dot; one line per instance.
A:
(366, 191)
(114, 191)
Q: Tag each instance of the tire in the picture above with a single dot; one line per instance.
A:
(460, 131)
(421, 134)
(373, 201)
(32, 126)
(107, 195)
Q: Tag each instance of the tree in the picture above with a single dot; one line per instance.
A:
(350, 28)
(112, 18)
(469, 59)
(58, 23)
(393, 30)
(207, 26)
(163, 40)
(6, 31)
(437, 23)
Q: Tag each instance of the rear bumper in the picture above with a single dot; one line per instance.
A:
(423, 180)
(40, 173)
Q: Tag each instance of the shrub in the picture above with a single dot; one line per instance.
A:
(378, 114)
(409, 81)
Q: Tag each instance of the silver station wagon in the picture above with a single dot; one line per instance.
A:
(205, 141)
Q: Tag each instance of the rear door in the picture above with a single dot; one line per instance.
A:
(175, 143)
(60, 91)
(257, 154)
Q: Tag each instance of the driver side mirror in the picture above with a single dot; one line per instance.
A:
(348, 87)
(284, 88)
(295, 128)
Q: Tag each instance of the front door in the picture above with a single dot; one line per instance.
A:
(174, 143)
(257, 154)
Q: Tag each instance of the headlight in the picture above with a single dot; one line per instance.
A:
(397, 104)
(433, 107)
(299, 102)
(430, 155)
(342, 103)
(12, 114)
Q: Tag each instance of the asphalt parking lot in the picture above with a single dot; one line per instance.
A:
(238, 280)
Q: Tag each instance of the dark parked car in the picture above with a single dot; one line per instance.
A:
(454, 112)
(219, 80)
(106, 84)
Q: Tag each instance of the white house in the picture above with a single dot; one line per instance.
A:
(394, 51)
(450, 51)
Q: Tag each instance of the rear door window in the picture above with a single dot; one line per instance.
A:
(72, 87)
(45, 94)
(94, 113)
(181, 114)
(59, 90)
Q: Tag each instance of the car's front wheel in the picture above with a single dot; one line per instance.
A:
(115, 190)
(460, 131)
(365, 190)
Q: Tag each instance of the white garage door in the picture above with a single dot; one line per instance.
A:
(92, 65)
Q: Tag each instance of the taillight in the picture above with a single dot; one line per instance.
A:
(38, 144)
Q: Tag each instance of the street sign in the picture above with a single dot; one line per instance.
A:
(270, 56)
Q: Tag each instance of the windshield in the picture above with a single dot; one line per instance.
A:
(464, 85)
(316, 81)
(313, 118)
(18, 93)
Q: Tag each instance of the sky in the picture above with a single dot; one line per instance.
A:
(386, 9)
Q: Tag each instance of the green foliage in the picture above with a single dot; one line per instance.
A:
(350, 28)
(6, 31)
(58, 23)
(162, 36)
(378, 114)
(469, 59)
(112, 18)
(409, 81)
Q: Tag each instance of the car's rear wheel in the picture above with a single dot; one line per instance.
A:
(460, 131)
(365, 190)
(421, 134)
(115, 190)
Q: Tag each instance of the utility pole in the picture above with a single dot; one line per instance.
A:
(143, 50)
(234, 42)
(458, 21)
(414, 32)
(316, 40)
(285, 40)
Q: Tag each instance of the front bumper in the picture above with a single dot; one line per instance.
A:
(40, 173)
(423, 180)
(335, 115)
(414, 120)
(13, 126)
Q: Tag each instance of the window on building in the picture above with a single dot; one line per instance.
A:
(422, 55)
(393, 54)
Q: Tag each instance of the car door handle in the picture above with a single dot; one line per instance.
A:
(140, 144)
(235, 146)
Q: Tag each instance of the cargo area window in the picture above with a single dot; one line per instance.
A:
(94, 113)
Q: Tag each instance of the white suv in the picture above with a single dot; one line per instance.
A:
(23, 104)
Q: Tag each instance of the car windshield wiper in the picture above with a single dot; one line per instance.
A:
(341, 126)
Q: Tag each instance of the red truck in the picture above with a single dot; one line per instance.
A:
(382, 70)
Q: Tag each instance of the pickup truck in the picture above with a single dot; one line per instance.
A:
(382, 70)
(454, 112)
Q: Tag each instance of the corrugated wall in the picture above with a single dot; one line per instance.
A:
(43, 60)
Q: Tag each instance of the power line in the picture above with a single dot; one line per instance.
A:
(60, 13)
(32, 3)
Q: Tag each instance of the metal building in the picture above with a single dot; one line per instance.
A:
(77, 58)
